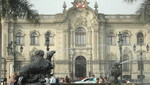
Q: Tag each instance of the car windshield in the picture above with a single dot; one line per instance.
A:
(88, 79)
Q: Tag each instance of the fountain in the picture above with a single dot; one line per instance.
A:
(115, 72)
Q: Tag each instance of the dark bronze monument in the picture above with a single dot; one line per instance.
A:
(34, 73)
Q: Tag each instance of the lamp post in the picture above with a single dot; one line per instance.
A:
(141, 59)
(47, 44)
(47, 41)
(11, 49)
(120, 43)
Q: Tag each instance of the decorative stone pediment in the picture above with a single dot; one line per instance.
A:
(81, 17)
(20, 31)
(127, 31)
(141, 31)
(35, 31)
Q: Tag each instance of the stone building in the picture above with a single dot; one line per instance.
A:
(85, 41)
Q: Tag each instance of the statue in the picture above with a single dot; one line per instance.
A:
(34, 73)
(115, 72)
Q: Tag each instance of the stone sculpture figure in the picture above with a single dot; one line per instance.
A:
(34, 73)
(115, 72)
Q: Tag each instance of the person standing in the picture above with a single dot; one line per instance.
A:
(10, 82)
(5, 81)
(101, 79)
(105, 79)
(15, 79)
(52, 80)
(97, 80)
(67, 80)
(61, 80)
(94, 79)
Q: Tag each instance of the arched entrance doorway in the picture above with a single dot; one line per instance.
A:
(80, 67)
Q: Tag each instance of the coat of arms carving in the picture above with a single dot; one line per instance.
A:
(80, 3)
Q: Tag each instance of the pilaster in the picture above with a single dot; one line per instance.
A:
(102, 47)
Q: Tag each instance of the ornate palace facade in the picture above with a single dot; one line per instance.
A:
(85, 41)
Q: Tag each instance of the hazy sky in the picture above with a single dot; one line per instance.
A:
(105, 6)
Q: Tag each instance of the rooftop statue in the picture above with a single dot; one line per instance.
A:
(34, 73)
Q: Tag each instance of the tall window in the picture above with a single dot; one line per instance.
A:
(34, 38)
(80, 36)
(125, 66)
(50, 37)
(125, 37)
(140, 38)
(19, 65)
(111, 38)
(111, 64)
(19, 38)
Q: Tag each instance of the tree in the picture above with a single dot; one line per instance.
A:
(16, 9)
(129, 1)
(19, 8)
(144, 10)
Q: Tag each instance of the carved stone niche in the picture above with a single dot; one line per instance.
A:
(19, 56)
(32, 53)
(111, 56)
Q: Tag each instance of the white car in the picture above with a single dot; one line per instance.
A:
(85, 80)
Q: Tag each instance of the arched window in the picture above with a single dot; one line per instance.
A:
(19, 38)
(126, 39)
(111, 38)
(140, 38)
(34, 38)
(80, 36)
(49, 37)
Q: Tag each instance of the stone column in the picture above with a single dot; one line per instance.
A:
(60, 52)
(10, 32)
(95, 46)
(71, 38)
(148, 35)
(89, 45)
(102, 47)
(10, 38)
(71, 54)
(89, 37)
(66, 47)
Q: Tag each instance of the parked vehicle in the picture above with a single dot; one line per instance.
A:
(85, 80)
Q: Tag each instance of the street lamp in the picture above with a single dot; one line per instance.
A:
(120, 43)
(141, 59)
(47, 40)
(47, 45)
(11, 49)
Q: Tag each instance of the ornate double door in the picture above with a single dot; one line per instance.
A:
(80, 67)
